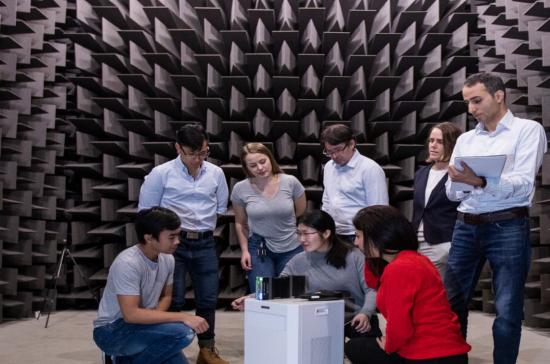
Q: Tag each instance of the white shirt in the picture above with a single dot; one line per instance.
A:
(523, 142)
(348, 188)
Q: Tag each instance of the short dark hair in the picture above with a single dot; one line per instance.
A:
(386, 229)
(450, 133)
(154, 220)
(492, 82)
(192, 136)
(337, 134)
(322, 221)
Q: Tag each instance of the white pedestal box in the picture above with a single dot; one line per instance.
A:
(293, 331)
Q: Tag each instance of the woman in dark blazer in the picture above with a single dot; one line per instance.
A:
(434, 214)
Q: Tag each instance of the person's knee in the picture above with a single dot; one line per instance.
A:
(509, 306)
(207, 298)
(182, 333)
(508, 318)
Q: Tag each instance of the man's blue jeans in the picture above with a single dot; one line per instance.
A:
(199, 258)
(270, 265)
(505, 244)
(144, 344)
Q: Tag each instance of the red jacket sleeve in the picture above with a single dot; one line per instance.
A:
(398, 289)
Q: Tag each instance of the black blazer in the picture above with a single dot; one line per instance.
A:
(439, 214)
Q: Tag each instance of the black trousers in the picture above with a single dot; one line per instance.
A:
(365, 350)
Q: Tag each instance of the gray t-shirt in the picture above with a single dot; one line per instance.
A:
(272, 218)
(133, 274)
(321, 275)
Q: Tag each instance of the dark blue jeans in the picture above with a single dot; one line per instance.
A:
(270, 265)
(505, 244)
(143, 344)
(199, 258)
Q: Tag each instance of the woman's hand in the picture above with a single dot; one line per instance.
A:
(246, 261)
(381, 342)
(361, 323)
(238, 304)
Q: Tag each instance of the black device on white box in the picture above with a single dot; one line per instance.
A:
(268, 288)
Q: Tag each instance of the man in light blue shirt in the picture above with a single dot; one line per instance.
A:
(493, 220)
(197, 191)
(351, 180)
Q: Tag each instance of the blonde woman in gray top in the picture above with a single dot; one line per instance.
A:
(266, 206)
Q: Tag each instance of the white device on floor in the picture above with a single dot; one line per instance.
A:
(293, 331)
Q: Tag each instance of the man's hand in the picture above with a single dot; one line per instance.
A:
(361, 323)
(467, 175)
(197, 323)
(238, 304)
(246, 261)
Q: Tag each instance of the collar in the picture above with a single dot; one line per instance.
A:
(316, 256)
(504, 123)
(352, 163)
(183, 167)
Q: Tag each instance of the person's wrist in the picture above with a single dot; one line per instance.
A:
(483, 183)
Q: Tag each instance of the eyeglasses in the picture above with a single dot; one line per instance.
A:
(335, 150)
(201, 154)
(302, 233)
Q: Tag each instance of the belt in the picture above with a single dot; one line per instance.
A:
(196, 235)
(490, 217)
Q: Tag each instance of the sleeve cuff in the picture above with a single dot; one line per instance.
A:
(492, 186)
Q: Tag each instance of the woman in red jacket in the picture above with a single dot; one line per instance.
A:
(420, 326)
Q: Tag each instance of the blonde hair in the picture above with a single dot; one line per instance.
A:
(252, 148)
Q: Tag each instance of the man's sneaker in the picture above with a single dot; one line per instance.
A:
(210, 356)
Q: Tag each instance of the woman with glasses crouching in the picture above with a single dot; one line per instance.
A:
(330, 264)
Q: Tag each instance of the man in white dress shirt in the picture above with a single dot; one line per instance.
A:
(351, 180)
(493, 220)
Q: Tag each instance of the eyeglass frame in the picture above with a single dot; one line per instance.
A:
(201, 154)
(306, 233)
(330, 154)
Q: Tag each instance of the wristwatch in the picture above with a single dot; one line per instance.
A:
(483, 181)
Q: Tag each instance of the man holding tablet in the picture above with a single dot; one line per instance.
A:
(493, 221)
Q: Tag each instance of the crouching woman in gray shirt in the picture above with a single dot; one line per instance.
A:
(266, 206)
(330, 264)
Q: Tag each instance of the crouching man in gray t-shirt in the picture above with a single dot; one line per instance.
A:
(133, 323)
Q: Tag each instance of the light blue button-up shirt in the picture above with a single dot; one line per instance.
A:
(196, 201)
(348, 188)
(524, 143)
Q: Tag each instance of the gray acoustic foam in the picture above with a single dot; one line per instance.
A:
(35, 141)
(91, 94)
